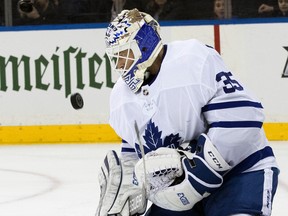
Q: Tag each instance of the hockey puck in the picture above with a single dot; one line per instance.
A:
(77, 101)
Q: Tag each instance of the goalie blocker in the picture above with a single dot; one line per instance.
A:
(190, 177)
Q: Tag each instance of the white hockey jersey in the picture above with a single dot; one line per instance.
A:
(193, 93)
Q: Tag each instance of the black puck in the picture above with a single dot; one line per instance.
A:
(77, 101)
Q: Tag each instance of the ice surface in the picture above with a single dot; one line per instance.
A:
(61, 179)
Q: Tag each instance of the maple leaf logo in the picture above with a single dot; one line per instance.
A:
(154, 141)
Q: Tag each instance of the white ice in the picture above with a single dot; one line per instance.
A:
(61, 180)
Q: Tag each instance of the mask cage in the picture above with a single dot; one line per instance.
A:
(115, 55)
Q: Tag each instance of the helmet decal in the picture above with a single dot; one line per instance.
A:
(115, 32)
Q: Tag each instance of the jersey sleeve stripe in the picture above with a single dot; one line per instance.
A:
(125, 147)
(231, 104)
(236, 124)
(127, 150)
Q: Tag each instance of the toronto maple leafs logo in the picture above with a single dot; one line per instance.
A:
(153, 139)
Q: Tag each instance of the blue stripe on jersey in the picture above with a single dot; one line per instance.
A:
(236, 124)
(250, 161)
(231, 104)
(128, 150)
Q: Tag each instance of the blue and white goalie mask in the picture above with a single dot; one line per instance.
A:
(132, 45)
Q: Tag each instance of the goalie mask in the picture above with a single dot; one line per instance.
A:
(132, 45)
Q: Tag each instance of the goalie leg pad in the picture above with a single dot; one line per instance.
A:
(118, 195)
(110, 177)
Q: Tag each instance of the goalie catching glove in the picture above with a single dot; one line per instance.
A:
(177, 179)
(120, 194)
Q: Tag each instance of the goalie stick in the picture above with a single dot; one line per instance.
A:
(138, 202)
(142, 152)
